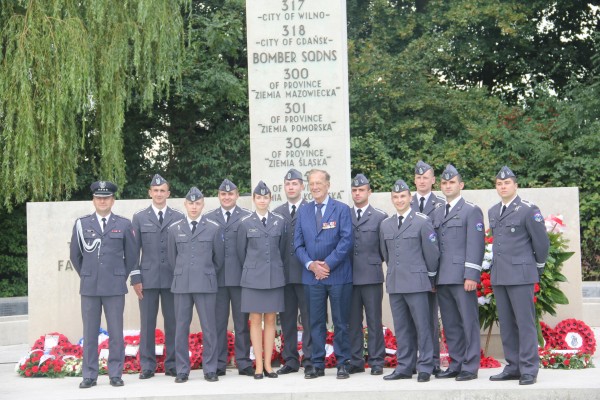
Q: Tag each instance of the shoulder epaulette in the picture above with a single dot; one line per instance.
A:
(441, 198)
(212, 222)
(175, 223)
(471, 204)
(85, 216)
(177, 211)
(277, 215)
(390, 217)
(527, 203)
(379, 211)
(424, 216)
(139, 211)
(245, 217)
(245, 210)
(120, 217)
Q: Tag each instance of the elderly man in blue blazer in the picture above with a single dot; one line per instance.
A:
(323, 242)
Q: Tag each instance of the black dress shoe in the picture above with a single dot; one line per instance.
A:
(504, 376)
(312, 372)
(146, 374)
(376, 370)
(353, 369)
(342, 373)
(258, 376)
(248, 371)
(211, 377)
(220, 372)
(527, 379)
(181, 378)
(116, 381)
(286, 369)
(436, 370)
(466, 376)
(447, 374)
(271, 374)
(87, 383)
(171, 372)
(423, 377)
(395, 376)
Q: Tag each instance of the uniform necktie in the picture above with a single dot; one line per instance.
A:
(227, 215)
(293, 211)
(400, 218)
(447, 210)
(319, 216)
(194, 223)
(422, 204)
(103, 224)
(503, 209)
(160, 217)
(264, 221)
(359, 211)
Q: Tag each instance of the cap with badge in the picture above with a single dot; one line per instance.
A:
(293, 174)
(227, 186)
(103, 189)
(194, 194)
(422, 167)
(449, 173)
(262, 189)
(158, 180)
(505, 173)
(400, 186)
(359, 180)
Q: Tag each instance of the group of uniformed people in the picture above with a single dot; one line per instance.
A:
(289, 261)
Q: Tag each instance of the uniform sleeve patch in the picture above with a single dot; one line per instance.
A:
(432, 237)
(479, 227)
(538, 217)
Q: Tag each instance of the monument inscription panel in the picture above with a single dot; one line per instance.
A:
(298, 89)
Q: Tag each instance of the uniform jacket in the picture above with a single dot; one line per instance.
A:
(291, 264)
(432, 203)
(103, 260)
(153, 270)
(195, 259)
(259, 250)
(461, 237)
(520, 243)
(411, 253)
(231, 274)
(366, 255)
(331, 243)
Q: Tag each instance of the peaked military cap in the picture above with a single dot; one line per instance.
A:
(422, 167)
(505, 173)
(400, 186)
(103, 189)
(227, 186)
(158, 180)
(262, 189)
(194, 194)
(450, 172)
(293, 174)
(359, 180)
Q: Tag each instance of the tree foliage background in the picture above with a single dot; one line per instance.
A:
(122, 90)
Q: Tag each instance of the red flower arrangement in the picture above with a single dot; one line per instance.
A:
(548, 335)
(572, 334)
(488, 362)
(553, 359)
(38, 364)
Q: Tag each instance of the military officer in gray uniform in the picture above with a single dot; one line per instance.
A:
(153, 277)
(293, 185)
(103, 251)
(461, 234)
(367, 278)
(195, 255)
(229, 216)
(520, 251)
(426, 202)
(409, 247)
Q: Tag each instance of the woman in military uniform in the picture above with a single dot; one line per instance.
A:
(260, 244)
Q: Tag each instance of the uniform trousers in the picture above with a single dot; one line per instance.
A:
(460, 316)
(370, 298)
(205, 307)
(339, 298)
(225, 296)
(410, 312)
(295, 301)
(516, 314)
(91, 313)
(148, 313)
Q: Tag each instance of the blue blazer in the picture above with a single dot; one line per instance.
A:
(331, 243)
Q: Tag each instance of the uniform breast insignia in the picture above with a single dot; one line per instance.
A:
(517, 208)
(116, 231)
(329, 225)
(252, 230)
(438, 205)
